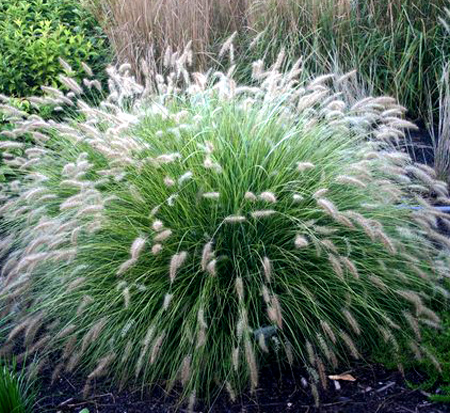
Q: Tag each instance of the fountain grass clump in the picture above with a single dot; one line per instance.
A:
(193, 230)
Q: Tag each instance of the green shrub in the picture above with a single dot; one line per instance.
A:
(192, 234)
(35, 33)
(16, 391)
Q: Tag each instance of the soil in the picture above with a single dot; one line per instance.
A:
(375, 390)
(420, 145)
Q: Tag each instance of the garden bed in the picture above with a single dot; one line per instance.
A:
(375, 390)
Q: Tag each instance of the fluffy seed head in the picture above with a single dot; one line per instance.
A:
(162, 236)
(233, 219)
(175, 264)
(157, 225)
(268, 197)
(156, 249)
(137, 247)
(304, 166)
(267, 268)
(263, 214)
(300, 242)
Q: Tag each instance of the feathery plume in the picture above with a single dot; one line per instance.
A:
(274, 312)
(186, 370)
(250, 196)
(336, 265)
(230, 391)
(320, 192)
(94, 332)
(351, 321)
(162, 236)
(387, 242)
(211, 268)
(297, 198)
(169, 181)
(350, 180)
(156, 249)
(156, 348)
(185, 177)
(85, 301)
(126, 266)
(235, 358)
(167, 300)
(328, 331)
(328, 207)
(102, 367)
(66, 331)
(263, 214)
(322, 374)
(157, 226)
(268, 197)
(176, 262)
(87, 69)
(350, 266)
(211, 195)
(300, 242)
(350, 344)
(233, 219)
(168, 158)
(71, 84)
(262, 343)
(127, 352)
(304, 166)
(192, 401)
(207, 255)
(413, 323)
(137, 247)
(267, 268)
(126, 297)
(57, 372)
(239, 285)
(171, 199)
(251, 363)
(265, 293)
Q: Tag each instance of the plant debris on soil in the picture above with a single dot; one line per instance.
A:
(375, 390)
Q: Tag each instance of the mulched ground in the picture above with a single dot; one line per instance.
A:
(420, 145)
(375, 391)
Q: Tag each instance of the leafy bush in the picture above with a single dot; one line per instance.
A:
(16, 391)
(35, 33)
(194, 233)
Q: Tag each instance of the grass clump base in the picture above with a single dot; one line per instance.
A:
(189, 231)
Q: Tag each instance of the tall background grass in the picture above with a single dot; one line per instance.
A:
(398, 46)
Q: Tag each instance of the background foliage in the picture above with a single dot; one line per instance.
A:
(398, 46)
(38, 32)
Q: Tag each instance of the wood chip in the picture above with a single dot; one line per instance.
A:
(345, 377)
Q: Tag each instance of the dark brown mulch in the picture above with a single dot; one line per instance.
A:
(420, 145)
(375, 390)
